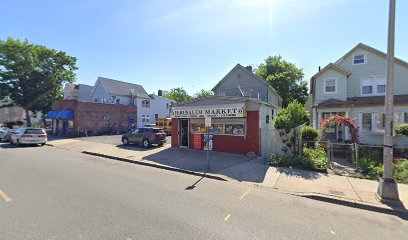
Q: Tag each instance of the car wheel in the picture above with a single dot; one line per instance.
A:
(146, 143)
(125, 141)
(160, 144)
(42, 144)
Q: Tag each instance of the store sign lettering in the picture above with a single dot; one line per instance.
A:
(214, 112)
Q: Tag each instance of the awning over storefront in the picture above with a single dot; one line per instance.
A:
(60, 114)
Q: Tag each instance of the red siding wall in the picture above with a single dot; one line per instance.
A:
(231, 144)
(235, 144)
(174, 132)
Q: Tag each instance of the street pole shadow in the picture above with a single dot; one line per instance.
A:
(195, 184)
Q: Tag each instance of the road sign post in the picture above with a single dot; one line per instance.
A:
(208, 125)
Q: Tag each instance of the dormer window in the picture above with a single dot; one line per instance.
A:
(330, 86)
(360, 58)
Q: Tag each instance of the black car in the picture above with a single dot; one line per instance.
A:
(145, 136)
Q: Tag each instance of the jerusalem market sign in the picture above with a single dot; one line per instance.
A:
(227, 110)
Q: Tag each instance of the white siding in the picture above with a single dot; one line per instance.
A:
(341, 86)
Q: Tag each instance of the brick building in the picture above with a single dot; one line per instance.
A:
(76, 118)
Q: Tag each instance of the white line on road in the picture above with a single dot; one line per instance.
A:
(4, 196)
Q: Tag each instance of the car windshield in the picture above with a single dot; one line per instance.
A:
(157, 130)
(34, 131)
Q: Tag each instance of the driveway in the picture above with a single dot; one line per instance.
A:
(111, 139)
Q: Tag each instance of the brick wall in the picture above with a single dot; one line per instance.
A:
(98, 118)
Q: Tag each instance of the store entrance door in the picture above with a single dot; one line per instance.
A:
(184, 134)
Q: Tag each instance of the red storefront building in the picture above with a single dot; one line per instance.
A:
(236, 124)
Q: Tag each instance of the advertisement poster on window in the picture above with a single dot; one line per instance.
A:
(208, 142)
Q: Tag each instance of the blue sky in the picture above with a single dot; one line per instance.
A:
(193, 44)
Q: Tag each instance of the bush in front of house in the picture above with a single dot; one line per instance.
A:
(309, 134)
(313, 159)
(369, 167)
(400, 172)
(402, 129)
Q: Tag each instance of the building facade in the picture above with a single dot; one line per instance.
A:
(76, 118)
(80, 92)
(241, 112)
(149, 107)
(354, 86)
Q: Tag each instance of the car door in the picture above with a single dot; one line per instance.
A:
(132, 135)
(139, 135)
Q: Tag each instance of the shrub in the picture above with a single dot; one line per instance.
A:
(309, 134)
(402, 129)
(314, 159)
(369, 167)
(318, 158)
(375, 154)
(401, 172)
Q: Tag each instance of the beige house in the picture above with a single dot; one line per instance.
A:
(354, 86)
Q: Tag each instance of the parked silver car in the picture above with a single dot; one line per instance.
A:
(3, 135)
(29, 136)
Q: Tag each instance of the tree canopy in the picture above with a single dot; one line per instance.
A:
(285, 78)
(203, 93)
(177, 94)
(32, 75)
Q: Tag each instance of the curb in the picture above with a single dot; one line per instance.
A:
(396, 210)
(199, 174)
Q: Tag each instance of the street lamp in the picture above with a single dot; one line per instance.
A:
(387, 188)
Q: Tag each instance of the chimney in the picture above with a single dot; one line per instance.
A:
(249, 67)
(160, 93)
(319, 68)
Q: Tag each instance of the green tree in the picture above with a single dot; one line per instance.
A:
(177, 94)
(32, 76)
(203, 93)
(291, 117)
(285, 77)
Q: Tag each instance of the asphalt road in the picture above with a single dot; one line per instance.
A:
(50, 193)
(112, 139)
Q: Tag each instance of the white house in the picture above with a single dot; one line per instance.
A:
(354, 86)
(149, 107)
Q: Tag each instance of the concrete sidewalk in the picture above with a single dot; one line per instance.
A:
(304, 182)
(235, 167)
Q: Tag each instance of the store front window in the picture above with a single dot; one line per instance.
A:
(219, 126)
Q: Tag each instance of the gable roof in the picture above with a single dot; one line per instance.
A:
(372, 50)
(256, 77)
(334, 67)
(119, 88)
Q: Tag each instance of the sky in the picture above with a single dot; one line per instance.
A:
(163, 44)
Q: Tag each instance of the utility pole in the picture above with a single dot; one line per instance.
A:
(387, 188)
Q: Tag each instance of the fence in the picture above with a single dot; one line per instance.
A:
(353, 152)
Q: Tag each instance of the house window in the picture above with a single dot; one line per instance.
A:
(366, 121)
(267, 118)
(247, 92)
(379, 122)
(167, 105)
(146, 103)
(330, 86)
(156, 116)
(118, 101)
(380, 85)
(221, 93)
(360, 58)
(373, 85)
(143, 118)
(96, 100)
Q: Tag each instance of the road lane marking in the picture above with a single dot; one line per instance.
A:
(227, 217)
(245, 193)
(4, 196)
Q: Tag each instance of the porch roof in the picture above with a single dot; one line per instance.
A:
(362, 101)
